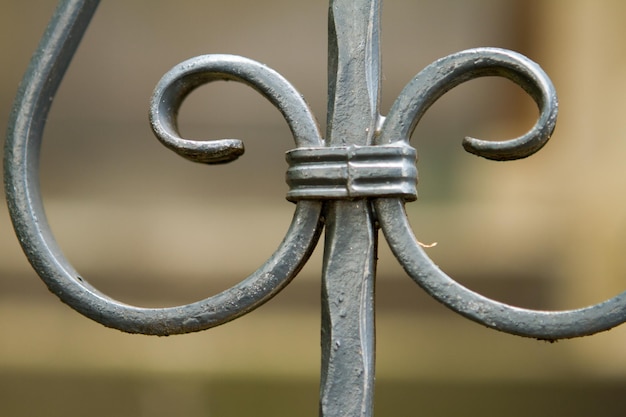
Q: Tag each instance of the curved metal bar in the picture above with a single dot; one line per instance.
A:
(185, 77)
(419, 94)
(365, 174)
(549, 325)
(448, 72)
(27, 212)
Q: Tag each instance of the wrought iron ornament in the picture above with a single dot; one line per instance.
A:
(350, 181)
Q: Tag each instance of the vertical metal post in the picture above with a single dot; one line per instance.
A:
(350, 253)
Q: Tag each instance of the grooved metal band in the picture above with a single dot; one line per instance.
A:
(351, 172)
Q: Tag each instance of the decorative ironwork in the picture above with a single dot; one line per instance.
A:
(351, 183)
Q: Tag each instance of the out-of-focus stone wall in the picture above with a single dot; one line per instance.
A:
(148, 227)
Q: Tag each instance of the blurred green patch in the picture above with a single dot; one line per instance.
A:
(68, 395)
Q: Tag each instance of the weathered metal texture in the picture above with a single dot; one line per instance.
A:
(348, 344)
(350, 172)
(351, 183)
(26, 207)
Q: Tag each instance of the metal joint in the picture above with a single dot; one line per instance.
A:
(352, 172)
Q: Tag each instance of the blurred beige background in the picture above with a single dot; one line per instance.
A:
(150, 228)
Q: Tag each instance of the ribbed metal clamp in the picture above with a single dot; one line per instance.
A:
(352, 172)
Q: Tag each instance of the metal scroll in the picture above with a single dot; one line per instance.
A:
(351, 181)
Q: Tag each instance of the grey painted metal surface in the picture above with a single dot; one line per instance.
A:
(351, 181)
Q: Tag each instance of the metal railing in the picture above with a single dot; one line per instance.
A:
(350, 181)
